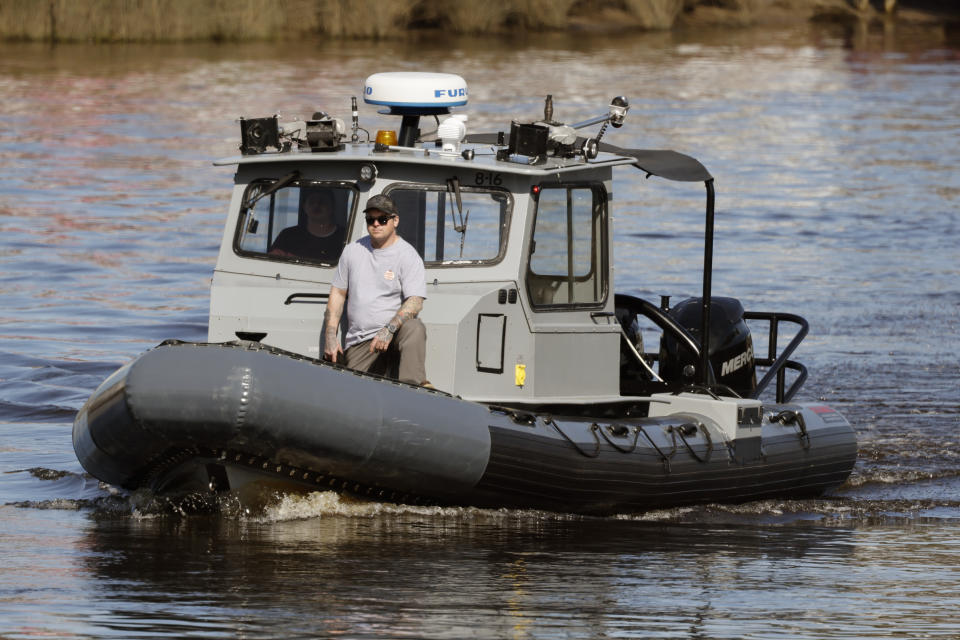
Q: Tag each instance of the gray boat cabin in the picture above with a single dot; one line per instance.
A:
(515, 230)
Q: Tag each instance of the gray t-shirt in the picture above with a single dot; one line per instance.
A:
(377, 282)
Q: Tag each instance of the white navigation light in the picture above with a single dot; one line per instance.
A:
(415, 92)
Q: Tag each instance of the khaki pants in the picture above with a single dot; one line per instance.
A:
(403, 359)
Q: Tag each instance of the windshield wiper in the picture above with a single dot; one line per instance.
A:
(453, 187)
(276, 186)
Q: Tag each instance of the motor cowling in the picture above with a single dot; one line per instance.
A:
(731, 346)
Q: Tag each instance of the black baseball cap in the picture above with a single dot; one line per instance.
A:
(383, 203)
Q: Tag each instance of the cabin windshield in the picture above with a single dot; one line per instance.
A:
(448, 235)
(303, 222)
(568, 257)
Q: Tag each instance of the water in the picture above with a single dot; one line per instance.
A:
(834, 155)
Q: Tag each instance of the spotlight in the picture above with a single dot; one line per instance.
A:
(368, 173)
(324, 133)
(256, 134)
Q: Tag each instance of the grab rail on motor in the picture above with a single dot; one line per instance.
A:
(778, 364)
(660, 318)
(666, 323)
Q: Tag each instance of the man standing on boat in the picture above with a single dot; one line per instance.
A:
(381, 278)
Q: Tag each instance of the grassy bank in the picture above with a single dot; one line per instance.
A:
(205, 20)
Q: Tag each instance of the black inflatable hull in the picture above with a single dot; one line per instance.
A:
(200, 417)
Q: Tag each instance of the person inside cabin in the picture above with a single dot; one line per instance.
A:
(381, 278)
(318, 237)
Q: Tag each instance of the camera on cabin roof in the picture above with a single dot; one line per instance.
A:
(256, 134)
(324, 133)
(538, 140)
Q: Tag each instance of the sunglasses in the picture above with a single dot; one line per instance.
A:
(384, 219)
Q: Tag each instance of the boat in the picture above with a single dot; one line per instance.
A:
(543, 395)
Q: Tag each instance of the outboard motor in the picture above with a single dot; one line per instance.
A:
(731, 346)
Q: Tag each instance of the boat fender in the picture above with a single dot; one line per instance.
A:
(789, 416)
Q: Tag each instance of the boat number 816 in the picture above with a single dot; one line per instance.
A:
(484, 178)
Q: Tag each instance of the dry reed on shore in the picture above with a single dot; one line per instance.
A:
(190, 20)
(156, 20)
(216, 20)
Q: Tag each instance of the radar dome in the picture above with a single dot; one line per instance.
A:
(415, 93)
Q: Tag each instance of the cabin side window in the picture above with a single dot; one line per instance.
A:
(302, 222)
(568, 262)
(448, 234)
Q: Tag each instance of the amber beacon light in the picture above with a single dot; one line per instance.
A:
(386, 136)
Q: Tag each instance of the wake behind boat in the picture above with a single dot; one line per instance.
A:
(545, 396)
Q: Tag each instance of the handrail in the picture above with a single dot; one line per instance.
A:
(659, 318)
(669, 325)
(797, 383)
(318, 296)
(779, 364)
(636, 354)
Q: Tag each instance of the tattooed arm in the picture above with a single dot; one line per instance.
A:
(409, 309)
(331, 325)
